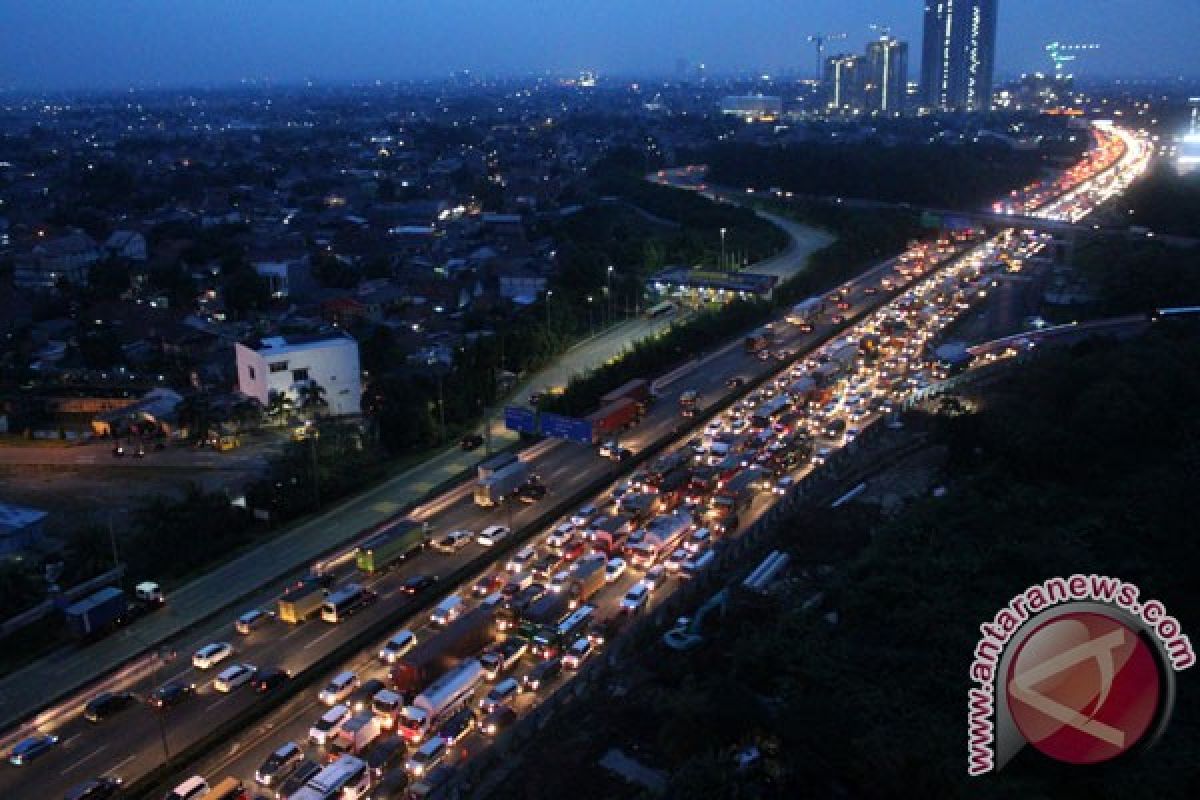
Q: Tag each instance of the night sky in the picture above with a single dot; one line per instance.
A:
(115, 43)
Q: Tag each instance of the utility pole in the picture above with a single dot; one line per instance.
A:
(312, 449)
(441, 407)
(608, 294)
(721, 267)
(112, 539)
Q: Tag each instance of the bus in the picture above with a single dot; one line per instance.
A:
(663, 309)
(768, 411)
(345, 602)
(551, 640)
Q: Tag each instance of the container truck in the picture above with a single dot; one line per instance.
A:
(97, 613)
(587, 578)
(301, 603)
(498, 485)
(637, 390)
(464, 637)
(613, 418)
(389, 548)
(487, 469)
(662, 535)
(441, 700)
(804, 314)
(354, 735)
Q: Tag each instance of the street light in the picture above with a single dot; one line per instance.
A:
(591, 322)
(722, 249)
(549, 294)
(312, 438)
(608, 292)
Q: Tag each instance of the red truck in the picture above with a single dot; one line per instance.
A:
(613, 418)
(464, 637)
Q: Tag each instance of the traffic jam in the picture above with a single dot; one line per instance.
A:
(396, 720)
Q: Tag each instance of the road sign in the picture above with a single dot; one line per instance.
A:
(570, 428)
(520, 419)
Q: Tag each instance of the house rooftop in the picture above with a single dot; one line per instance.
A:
(291, 342)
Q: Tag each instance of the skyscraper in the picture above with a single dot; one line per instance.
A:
(958, 54)
(887, 75)
(844, 82)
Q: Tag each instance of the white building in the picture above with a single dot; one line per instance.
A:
(289, 364)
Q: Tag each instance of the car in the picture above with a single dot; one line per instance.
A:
(277, 766)
(502, 693)
(360, 698)
(735, 382)
(609, 448)
(784, 485)
(516, 583)
(300, 776)
(635, 599)
(427, 756)
(31, 748)
(270, 678)
(575, 550)
(395, 647)
(234, 676)
(193, 788)
(542, 672)
(458, 726)
(851, 434)
(584, 515)
(471, 441)
(418, 583)
(545, 566)
(489, 584)
(531, 492)
(339, 688)
(500, 718)
(821, 456)
(453, 541)
(320, 731)
(558, 581)
(520, 560)
(675, 561)
(577, 653)
(837, 319)
(655, 577)
(246, 623)
(106, 704)
(492, 534)
(393, 786)
(385, 752)
(614, 569)
(94, 789)
(763, 355)
(171, 694)
(210, 655)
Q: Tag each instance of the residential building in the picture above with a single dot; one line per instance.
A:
(129, 245)
(20, 527)
(887, 75)
(69, 257)
(753, 107)
(958, 54)
(290, 364)
(845, 82)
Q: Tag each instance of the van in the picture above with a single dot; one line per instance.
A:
(228, 789)
(279, 765)
(699, 540)
(193, 788)
(324, 727)
(492, 601)
(247, 622)
(339, 688)
(447, 611)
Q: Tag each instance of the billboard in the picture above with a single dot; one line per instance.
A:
(570, 428)
(520, 419)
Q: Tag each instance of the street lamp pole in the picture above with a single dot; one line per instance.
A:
(591, 322)
(608, 292)
(441, 407)
(162, 656)
(549, 294)
(316, 434)
(722, 267)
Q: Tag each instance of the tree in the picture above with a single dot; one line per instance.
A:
(196, 414)
(312, 398)
(279, 404)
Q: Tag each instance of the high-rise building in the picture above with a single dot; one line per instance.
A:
(845, 79)
(958, 54)
(886, 83)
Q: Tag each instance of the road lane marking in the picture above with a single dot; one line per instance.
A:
(80, 761)
(67, 742)
(225, 699)
(117, 766)
(321, 638)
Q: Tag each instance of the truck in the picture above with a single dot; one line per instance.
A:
(614, 418)
(389, 548)
(637, 390)
(498, 485)
(301, 603)
(662, 535)
(767, 411)
(106, 608)
(487, 469)
(441, 700)
(464, 637)
(805, 314)
(801, 390)
(845, 355)
(688, 401)
(759, 340)
(587, 578)
(732, 498)
(354, 735)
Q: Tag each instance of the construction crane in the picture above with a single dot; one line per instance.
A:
(820, 40)
(884, 30)
(1063, 54)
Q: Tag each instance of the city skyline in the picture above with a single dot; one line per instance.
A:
(67, 44)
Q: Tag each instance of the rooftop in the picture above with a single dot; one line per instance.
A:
(14, 517)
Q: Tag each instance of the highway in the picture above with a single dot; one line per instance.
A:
(131, 744)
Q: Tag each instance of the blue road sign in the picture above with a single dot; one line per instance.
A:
(519, 419)
(558, 427)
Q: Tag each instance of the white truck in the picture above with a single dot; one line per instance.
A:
(355, 735)
(661, 535)
(347, 778)
(805, 313)
(441, 700)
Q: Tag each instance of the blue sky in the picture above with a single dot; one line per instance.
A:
(84, 43)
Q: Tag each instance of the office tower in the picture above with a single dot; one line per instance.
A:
(845, 77)
(887, 75)
(958, 54)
